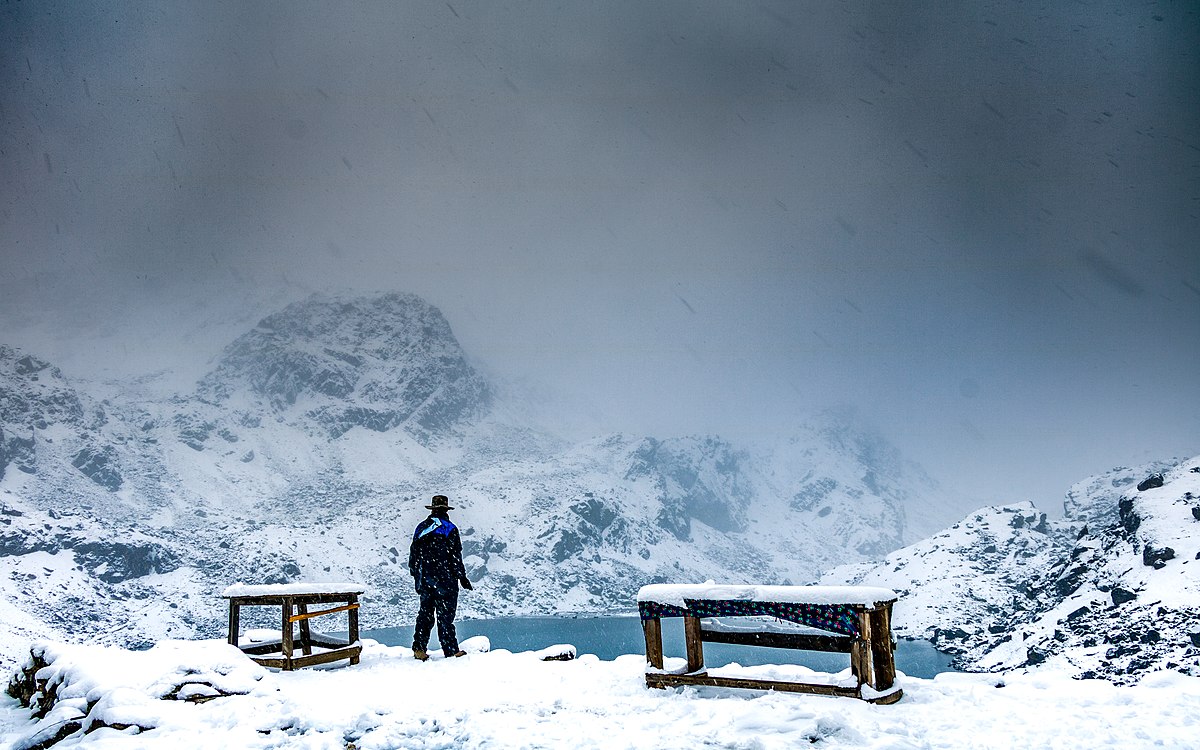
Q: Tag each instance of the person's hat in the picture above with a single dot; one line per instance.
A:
(440, 502)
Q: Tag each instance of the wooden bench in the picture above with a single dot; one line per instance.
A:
(294, 600)
(839, 619)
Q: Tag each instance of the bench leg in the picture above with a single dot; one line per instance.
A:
(353, 624)
(233, 622)
(286, 645)
(652, 629)
(693, 643)
(305, 631)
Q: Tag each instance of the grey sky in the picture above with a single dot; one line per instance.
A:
(975, 221)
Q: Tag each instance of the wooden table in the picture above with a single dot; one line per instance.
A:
(293, 601)
(842, 619)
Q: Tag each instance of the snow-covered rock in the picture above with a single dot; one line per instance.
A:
(1112, 590)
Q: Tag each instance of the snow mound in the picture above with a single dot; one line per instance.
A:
(114, 698)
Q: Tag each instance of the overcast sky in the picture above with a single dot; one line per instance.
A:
(976, 222)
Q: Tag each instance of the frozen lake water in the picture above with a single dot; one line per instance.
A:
(611, 636)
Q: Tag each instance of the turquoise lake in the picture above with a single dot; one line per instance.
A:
(611, 636)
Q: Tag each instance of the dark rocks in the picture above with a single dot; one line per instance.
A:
(1120, 595)
(1035, 655)
(99, 465)
(1082, 611)
(813, 493)
(1196, 512)
(596, 512)
(674, 519)
(950, 634)
(1034, 522)
(1151, 636)
(1130, 520)
(1195, 638)
(1150, 482)
(113, 562)
(1157, 557)
(1070, 580)
(568, 545)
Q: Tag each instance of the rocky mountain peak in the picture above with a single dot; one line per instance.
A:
(336, 363)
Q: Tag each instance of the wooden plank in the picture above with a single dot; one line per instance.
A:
(881, 647)
(670, 680)
(305, 632)
(353, 627)
(306, 615)
(324, 642)
(676, 680)
(693, 643)
(652, 629)
(234, 627)
(864, 627)
(275, 600)
(287, 632)
(837, 644)
(276, 662)
(350, 653)
(258, 649)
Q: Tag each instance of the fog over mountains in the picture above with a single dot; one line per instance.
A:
(310, 449)
(974, 222)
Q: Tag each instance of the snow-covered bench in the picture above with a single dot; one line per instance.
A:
(841, 619)
(294, 600)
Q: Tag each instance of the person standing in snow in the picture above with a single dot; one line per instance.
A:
(435, 562)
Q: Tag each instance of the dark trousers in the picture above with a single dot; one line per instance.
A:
(443, 604)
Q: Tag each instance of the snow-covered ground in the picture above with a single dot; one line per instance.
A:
(515, 700)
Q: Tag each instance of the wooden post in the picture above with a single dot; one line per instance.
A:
(286, 646)
(695, 646)
(353, 626)
(881, 647)
(867, 675)
(233, 622)
(305, 630)
(654, 649)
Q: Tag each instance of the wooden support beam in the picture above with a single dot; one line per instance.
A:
(353, 627)
(866, 675)
(693, 643)
(234, 627)
(836, 644)
(286, 646)
(704, 680)
(304, 614)
(882, 651)
(652, 628)
(350, 653)
(305, 632)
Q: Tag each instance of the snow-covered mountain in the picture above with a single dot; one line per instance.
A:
(1111, 590)
(310, 448)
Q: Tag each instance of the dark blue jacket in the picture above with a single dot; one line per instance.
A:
(435, 555)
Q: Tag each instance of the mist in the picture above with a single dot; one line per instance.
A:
(975, 224)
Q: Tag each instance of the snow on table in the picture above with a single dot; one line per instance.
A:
(677, 594)
(291, 589)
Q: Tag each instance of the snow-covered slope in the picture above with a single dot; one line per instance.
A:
(1111, 590)
(311, 447)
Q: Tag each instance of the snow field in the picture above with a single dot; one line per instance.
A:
(515, 700)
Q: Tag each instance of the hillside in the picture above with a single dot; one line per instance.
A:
(1112, 590)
